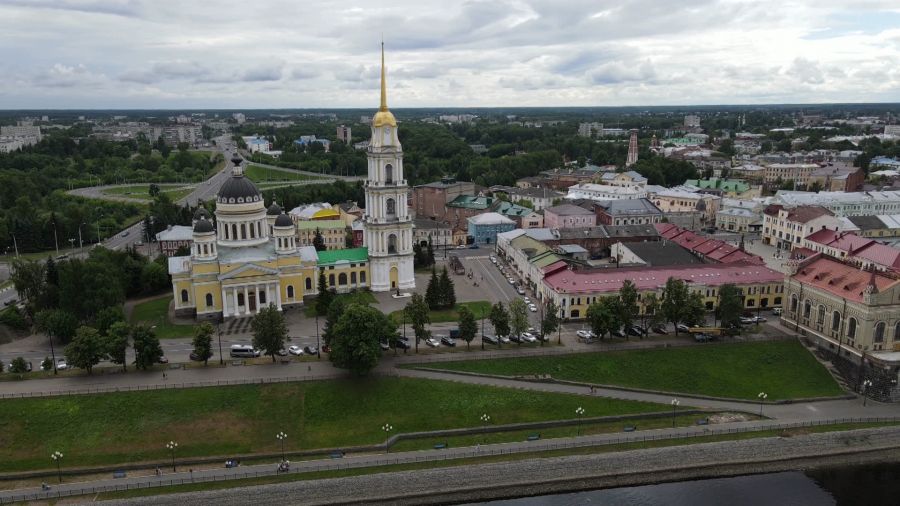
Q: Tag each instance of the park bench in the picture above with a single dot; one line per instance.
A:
(440, 446)
(118, 473)
(630, 428)
(534, 437)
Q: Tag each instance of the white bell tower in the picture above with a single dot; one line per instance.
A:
(388, 230)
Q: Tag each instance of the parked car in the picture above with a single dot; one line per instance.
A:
(401, 343)
(777, 311)
(432, 342)
(532, 308)
(282, 352)
(682, 328)
(447, 341)
(527, 300)
(163, 360)
(474, 246)
(584, 334)
(528, 337)
(61, 365)
(511, 280)
(617, 333)
(504, 339)
(326, 348)
(384, 345)
(310, 350)
(659, 329)
(514, 338)
(490, 339)
(520, 291)
(637, 330)
(295, 350)
(493, 259)
(197, 358)
(700, 337)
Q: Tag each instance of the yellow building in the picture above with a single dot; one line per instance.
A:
(334, 232)
(248, 260)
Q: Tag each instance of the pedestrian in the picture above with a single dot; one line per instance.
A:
(192, 474)
(164, 374)
(309, 368)
(157, 471)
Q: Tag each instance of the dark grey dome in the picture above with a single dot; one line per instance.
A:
(274, 209)
(203, 225)
(283, 220)
(238, 190)
(201, 212)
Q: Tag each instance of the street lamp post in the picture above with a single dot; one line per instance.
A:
(57, 457)
(172, 445)
(387, 428)
(866, 384)
(219, 334)
(675, 403)
(762, 397)
(485, 420)
(281, 436)
(559, 326)
(579, 412)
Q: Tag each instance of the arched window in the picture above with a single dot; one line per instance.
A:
(262, 297)
(342, 278)
(392, 243)
(897, 332)
(807, 308)
(575, 313)
(879, 332)
(290, 291)
(835, 321)
(794, 303)
(234, 234)
(240, 299)
(331, 280)
(353, 278)
(388, 174)
(184, 296)
(362, 277)
(243, 230)
(851, 328)
(391, 208)
(820, 317)
(209, 300)
(252, 231)
(308, 284)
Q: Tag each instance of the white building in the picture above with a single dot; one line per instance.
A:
(691, 121)
(604, 192)
(892, 130)
(239, 117)
(388, 225)
(845, 203)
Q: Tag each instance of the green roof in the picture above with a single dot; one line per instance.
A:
(545, 259)
(343, 255)
(314, 224)
(729, 185)
(510, 209)
(471, 202)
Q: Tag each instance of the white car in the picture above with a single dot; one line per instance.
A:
(529, 337)
(777, 311)
(527, 300)
(504, 339)
(432, 342)
(584, 334)
(493, 259)
(520, 291)
(532, 308)
(61, 365)
(511, 280)
(295, 350)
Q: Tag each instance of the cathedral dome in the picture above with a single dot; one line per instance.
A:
(274, 209)
(203, 226)
(238, 190)
(202, 213)
(283, 220)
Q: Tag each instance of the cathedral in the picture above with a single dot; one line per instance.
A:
(248, 257)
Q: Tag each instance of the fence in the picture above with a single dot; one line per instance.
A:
(428, 456)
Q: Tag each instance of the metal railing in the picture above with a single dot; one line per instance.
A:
(435, 456)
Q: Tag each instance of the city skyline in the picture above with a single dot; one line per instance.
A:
(127, 54)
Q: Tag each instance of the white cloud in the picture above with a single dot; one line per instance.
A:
(163, 53)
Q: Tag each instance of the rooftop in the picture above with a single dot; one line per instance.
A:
(568, 210)
(176, 233)
(490, 219)
(471, 202)
(845, 281)
(628, 207)
(312, 225)
(662, 253)
(339, 256)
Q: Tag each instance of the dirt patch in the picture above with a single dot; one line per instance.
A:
(729, 418)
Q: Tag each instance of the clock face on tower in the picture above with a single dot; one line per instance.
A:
(387, 135)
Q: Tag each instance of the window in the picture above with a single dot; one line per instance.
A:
(820, 317)
(793, 303)
(308, 284)
(835, 320)
(391, 208)
(243, 230)
(388, 174)
(262, 297)
(209, 300)
(362, 277)
(807, 308)
(290, 291)
(851, 328)
(392, 243)
(879, 332)
(353, 278)
(240, 299)
(342, 278)
(331, 280)
(575, 313)
(184, 296)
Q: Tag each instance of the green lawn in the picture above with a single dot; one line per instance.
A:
(134, 426)
(259, 174)
(782, 369)
(360, 297)
(175, 192)
(478, 308)
(155, 312)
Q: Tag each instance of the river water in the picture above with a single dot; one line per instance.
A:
(857, 485)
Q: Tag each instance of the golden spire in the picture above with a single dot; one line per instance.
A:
(383, 83)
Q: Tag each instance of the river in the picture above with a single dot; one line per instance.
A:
(851, 486)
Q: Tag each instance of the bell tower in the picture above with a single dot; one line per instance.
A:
(388, 230)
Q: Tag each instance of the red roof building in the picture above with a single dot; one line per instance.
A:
(860, 251)
(711, 250)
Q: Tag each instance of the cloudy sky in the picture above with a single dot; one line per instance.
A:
(288, 53)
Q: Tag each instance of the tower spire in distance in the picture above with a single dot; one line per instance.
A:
(384, 106)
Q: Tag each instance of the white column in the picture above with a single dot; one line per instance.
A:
(246, 301)
(224, 304)
(278, 295)
(234, 297)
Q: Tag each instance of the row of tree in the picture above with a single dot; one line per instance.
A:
(440, 292)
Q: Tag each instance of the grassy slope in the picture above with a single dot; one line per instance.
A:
(134, 426)
(155, 312)
(259, 174)
(782, 369)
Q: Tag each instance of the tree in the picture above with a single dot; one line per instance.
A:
(117, 343)
(675, 300)
(468, 327)
(358, 333)
(433, 291)
(203, 342)
(269, 331)
(694, 312)
(154, 277)
(628, 306)
(499, 318)
(57, 323)
(86, 350)
(601, 317)
(147, 350)
(335, 309)
(319, 241)
(730, 306)
(323, 300)
(550, 322)
(447, 291)
(18, 366)
(46, 364)
(29, 278)
(518, 317)
(154, 190)
(652, 315)
(106, 317)
(417, 313)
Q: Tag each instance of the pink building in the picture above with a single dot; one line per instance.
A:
(568, 216)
